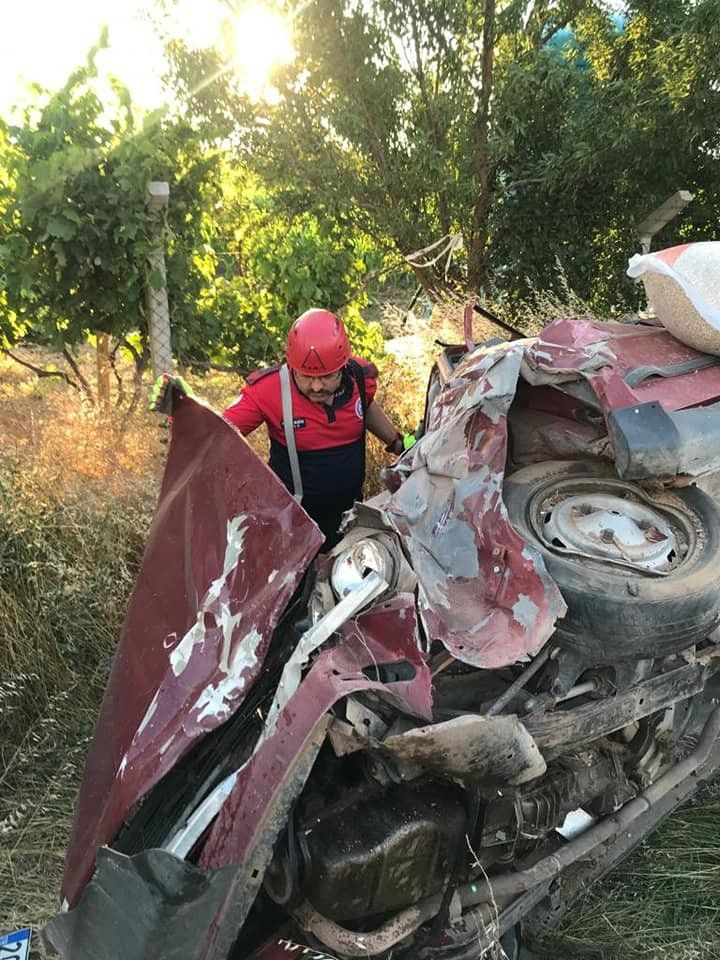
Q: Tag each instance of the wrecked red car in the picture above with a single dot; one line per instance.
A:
(467, 712)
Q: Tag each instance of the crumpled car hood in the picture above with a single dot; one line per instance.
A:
(226, 551)
(482, 590)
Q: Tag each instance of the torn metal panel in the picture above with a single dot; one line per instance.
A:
(284, 787)
(385, 637)
(625, 364)
(491, 750)
(256, 811)
(336, 673)
(570, 346)
(199, 622)
(372, 586)
(539, 435)
(482, 591)
(172, 905)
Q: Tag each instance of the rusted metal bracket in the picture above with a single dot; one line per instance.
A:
(566, 730)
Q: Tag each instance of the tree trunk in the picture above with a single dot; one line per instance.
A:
(74, 366)
(432, 283)
(103, 369)
(484, 172)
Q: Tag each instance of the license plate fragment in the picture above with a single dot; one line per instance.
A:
(15, 946)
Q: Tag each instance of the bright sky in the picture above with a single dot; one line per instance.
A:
(42, 41)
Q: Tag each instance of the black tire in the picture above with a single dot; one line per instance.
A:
(616, 612)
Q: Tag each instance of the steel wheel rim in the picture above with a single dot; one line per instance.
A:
(612, 523)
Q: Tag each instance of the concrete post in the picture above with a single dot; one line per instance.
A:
(156, 300)
(654, 223)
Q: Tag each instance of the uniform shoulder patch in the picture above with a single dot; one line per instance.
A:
(260, 374)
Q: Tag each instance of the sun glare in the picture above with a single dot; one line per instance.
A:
(262, 41)
(252, 44)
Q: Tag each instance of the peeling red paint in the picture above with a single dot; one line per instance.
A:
(605, 354)
(212, 476)
(483, 593)
(384, 635)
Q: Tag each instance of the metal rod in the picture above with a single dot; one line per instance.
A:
(590, 686)
(517, 684)
(489, 315)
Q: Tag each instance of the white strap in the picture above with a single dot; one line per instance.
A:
(287, 413)
(451, 241)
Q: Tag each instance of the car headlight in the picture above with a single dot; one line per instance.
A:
(352, 564)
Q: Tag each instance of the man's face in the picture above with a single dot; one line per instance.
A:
(319, 389)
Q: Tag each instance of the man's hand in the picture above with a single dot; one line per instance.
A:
(401, 443)
(162, 391)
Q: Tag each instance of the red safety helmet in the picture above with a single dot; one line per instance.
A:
(317, 344)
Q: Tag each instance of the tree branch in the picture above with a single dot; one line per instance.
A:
(112, 360)
(521, 183)
(484, 171)
(436, 135)
(86, 388)
(140, 361)
(547, 35)
(374, 275)
(41, 372)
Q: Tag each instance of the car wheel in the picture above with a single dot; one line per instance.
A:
(639, 572)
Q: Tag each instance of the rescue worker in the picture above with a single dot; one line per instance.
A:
(317, 407)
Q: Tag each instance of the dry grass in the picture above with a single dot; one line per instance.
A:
(76, 496)
(661, 904)
(44, 743)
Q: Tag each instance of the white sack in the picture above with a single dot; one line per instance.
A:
(683, 288)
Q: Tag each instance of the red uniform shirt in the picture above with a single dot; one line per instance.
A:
(329, 438)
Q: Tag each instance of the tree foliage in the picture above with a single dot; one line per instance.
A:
(77, 231)
(75, 239)
(543, 132)
(265, 268)
(596, 130)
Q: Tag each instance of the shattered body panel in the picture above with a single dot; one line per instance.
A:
(241, 842)
(253, 815)
(336, 673)
(220, 566)
(483, 592)
(624, 364)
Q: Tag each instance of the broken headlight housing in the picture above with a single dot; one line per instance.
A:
(353, 564)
